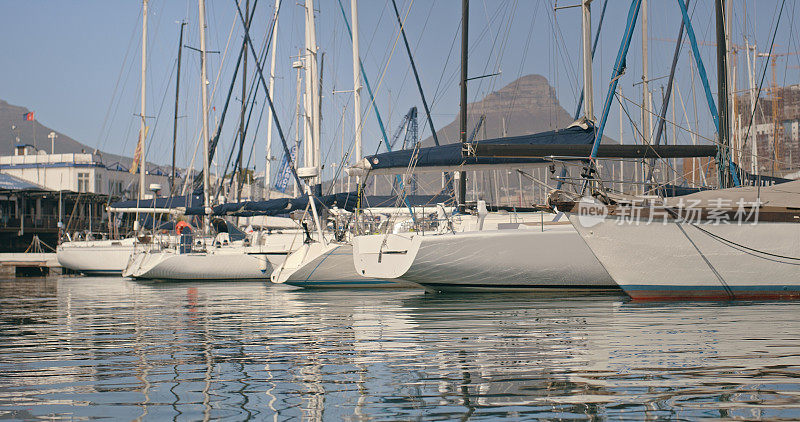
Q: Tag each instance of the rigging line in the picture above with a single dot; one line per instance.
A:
(252, 92)
(764, 73)
(519, 72)
(739, 245)
(253, 144)
(383, 74)
(635, 104)
(491, 81)
(444, 68)
(416, 74)
(504, 43)
(453, 79)
(199, 135)
(636, 129)
(571, 68)
(396, 100)
(705, 259)
(477, 92)
(100, 139)
(249, 43)
(160, 108)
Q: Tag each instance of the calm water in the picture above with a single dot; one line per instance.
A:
(80, 348)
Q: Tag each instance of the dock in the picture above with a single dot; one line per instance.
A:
(28, 264)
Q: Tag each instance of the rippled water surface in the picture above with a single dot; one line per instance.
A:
(81, 348)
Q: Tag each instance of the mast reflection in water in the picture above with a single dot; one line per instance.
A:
(76, 348)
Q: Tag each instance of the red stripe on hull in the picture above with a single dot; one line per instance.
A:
(709, 295)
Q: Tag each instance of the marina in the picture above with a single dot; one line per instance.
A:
(394, 210)
(80, 348)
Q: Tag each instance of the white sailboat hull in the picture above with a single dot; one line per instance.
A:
(96, 257)
(329, 265)
(234, 265)
(554, 259)
(658, 261)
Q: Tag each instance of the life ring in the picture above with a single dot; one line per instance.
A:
(181, 224)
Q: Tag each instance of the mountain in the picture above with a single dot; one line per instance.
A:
(526, 105)
(14, 129)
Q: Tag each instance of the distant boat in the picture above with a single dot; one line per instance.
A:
(109, 257)
(96, 257)
(231, 255)
(712, 245)
(329, 263)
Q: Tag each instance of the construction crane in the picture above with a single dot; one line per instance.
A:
(409, 124)
(411, 128)
(776, 106)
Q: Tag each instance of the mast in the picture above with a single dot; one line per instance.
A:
(240, 173)
(312, 88)
(142, 126)
(175, 122)
(722, 96)
(752, 89)
(298, 90)
(268, 162)
(645, 80)
(462, 183)
(588, 93)
(356, 82)
(204, 93)
(311, 150)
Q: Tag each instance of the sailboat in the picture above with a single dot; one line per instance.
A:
(323, 261)
(736, 243)
(536, 256)
(229, 254)
(732, 243)
(110, 256)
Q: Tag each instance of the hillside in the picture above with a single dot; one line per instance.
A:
(15, 129)
(528, 105)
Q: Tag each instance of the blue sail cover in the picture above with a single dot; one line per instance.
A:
(345, 200)
(162, 202)
(450, 155)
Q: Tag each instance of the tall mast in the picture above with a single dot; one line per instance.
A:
(204, 93)
(175, 122)
(310, 169)
(298, 92)
(752, 89)
(356, 80)
(142, 126)
(588, 93)
(312, 91)
(268, 162)
(240, 172)
(722, 96)
(462, 183)
(645, 80)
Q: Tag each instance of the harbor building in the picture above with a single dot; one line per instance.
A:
(50, 195)
(75, 172)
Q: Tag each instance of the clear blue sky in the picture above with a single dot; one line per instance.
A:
(76, 63)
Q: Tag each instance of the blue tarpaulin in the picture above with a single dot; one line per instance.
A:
(162, 202)
(450, 155)
(346, 200)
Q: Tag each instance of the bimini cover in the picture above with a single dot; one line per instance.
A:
(449, 156)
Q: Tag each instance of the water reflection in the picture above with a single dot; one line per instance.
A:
(87, 347)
